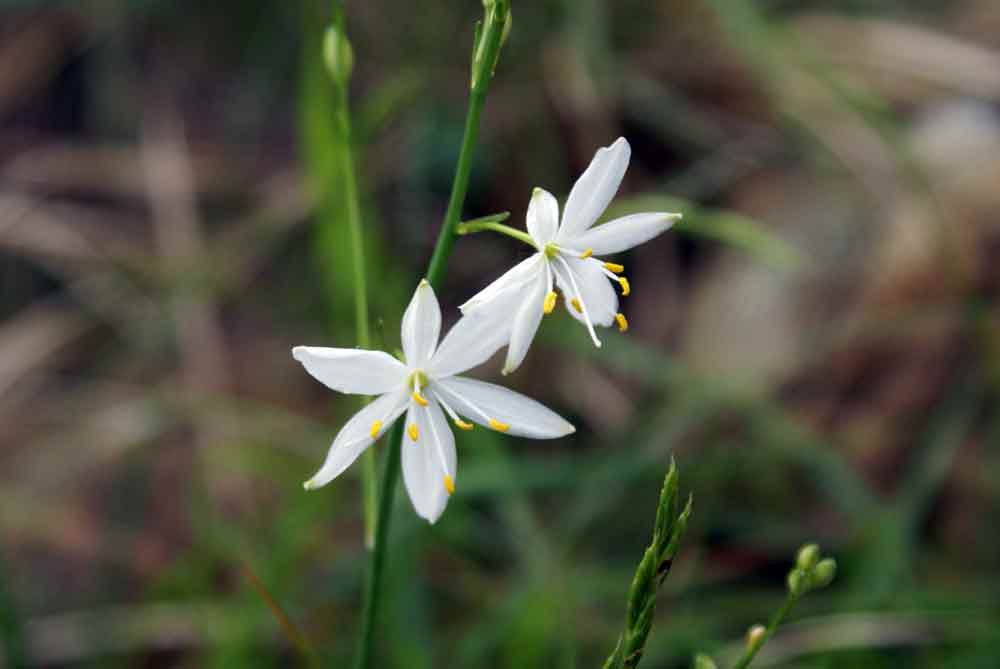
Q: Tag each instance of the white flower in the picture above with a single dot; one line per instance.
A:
(567, 253)
(423, 386)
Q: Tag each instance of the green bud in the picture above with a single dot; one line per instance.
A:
(338, 55)
(702, 661)
(797, 582)
(808, 557)
(824, 572)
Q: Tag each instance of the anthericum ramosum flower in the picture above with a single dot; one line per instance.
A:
(426, 388)
(568, 254)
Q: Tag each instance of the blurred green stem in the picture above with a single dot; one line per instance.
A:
(11, 631)
(752, 649)
(489, 38)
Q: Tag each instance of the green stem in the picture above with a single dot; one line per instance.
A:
(363, 336)
(479, 225)
(752, 649)
(487, 48)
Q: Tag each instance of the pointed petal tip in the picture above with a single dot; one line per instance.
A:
(309, 485)
(298, 352)
(423, 282)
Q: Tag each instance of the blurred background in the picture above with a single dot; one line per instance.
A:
(816, 345)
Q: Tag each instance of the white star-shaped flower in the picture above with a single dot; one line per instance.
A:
(567, 254)
(426, 387)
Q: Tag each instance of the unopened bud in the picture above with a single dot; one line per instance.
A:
(824, 572)
(702, 661)
(755, 636)
(807, 557)
(797, 582)
(338, 55)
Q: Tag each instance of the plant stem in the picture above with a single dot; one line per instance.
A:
(487, 48)
(751, 651)
(475, 226)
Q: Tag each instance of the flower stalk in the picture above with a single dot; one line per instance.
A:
(490, 223)
(649, 576)
(489, 39)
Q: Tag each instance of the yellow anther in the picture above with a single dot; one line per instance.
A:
(463, 425)
(419, 399)
(550, 302)
(614, 267)
(413, 431)
(587, 253)
(498, 426)
(576, 305)
(622, 322)
(626, 288)
(449, 484)
(376, 426)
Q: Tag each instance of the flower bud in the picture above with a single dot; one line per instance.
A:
(755, 636)
(702, 661)
(824, 572)
(807, 557)
(338, 55)
(797, 582)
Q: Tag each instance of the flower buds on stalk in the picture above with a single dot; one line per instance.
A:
(810, 572)
(491, 33)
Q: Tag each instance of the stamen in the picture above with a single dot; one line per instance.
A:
(498, 426)
(583, 307)
(614, 267)
(449, 484)
(550, 302)
(463, 425)
(622, 322)
(419, 399)
(413, 431)
(376, 426)
(626, 288)
(576, 305)
(587, 253)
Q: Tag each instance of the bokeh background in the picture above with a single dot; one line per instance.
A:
(816, 345)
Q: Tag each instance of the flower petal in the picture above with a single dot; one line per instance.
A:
(543, 216)
(524, 416)
(529, 316)
(624, 233)
(514, 277)
(425, 459)
(594, 189)
(597, 293)
(474, 338)
(356, 436)
(352, 370)
(421, 325)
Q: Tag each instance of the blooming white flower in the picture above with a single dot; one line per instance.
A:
(567, 253)
(422, 386)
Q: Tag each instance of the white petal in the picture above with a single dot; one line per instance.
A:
(423, 468)
(624, 233)
(516, 276)
(594, 189)
(526, 323)
(525, 416)
(355, 436)
(543, 216)
(597, 292)
(352, 370)
(474, 338)
(421, 325)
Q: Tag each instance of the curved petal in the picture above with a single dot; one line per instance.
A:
(356, 436)
(421, 325)
(352, 370)
(624, 233)
(594, 189)
(543, 216)
(425, 460)
(474, 338)
(514, 277)
(529, 316)
(480, 401)
(596, 291)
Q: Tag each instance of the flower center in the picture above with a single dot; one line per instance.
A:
(551, 250)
